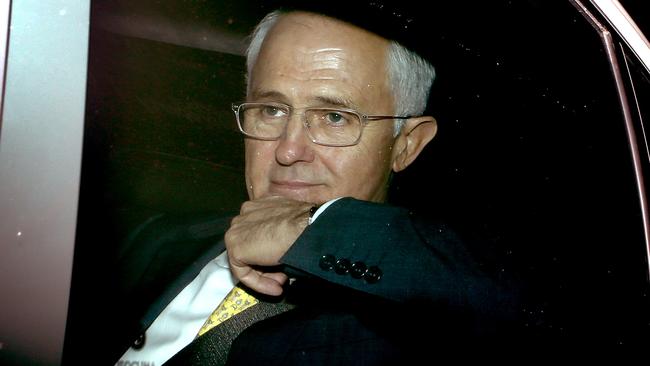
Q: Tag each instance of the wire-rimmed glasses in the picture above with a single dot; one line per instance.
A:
(325, 126)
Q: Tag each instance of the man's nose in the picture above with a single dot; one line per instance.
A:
(294, 145)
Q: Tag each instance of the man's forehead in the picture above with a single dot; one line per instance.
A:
(403, 21)
(329, 49)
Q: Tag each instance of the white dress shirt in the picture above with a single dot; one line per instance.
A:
(178, 324)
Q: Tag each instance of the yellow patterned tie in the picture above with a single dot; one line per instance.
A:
(234, 303)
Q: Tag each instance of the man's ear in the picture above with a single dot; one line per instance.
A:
(414, 136)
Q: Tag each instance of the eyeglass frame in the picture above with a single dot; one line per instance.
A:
(363, 118)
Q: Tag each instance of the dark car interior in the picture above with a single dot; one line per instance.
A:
(532, 155)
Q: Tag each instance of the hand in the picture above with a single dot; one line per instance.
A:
(264, 230)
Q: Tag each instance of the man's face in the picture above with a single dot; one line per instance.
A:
(313, 61)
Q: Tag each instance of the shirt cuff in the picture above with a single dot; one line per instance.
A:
(321, 209)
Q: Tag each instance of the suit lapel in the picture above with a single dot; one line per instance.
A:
(165, 256)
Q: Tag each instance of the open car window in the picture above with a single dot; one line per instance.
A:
(532, 154)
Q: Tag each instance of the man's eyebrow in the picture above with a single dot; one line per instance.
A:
(334, 101)
(316, 101)
(269, 94)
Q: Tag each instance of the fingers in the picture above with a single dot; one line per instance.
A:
(274, 206)
(268, 283)
(259, 236)
(265, 230)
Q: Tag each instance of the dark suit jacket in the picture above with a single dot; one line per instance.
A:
(427, 287)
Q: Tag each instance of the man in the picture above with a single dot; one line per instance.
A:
(332, 111)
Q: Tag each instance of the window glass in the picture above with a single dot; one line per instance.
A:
(531, 153)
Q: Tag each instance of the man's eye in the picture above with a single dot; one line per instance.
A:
(270, 111)
(334, 118)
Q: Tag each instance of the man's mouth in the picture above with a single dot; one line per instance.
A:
(296, 189)
(292, 185)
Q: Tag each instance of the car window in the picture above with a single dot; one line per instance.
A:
(532, 153)
(532, 148)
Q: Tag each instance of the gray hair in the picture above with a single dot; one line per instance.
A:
(410, 76)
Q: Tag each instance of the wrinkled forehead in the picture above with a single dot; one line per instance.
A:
(307, 38)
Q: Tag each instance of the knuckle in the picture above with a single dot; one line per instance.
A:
(246, 207)
(233, 246)
(229, 239)
(235, 221)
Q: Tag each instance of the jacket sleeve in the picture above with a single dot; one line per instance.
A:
(386, 251)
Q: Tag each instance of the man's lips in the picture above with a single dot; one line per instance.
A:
(292, 184)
